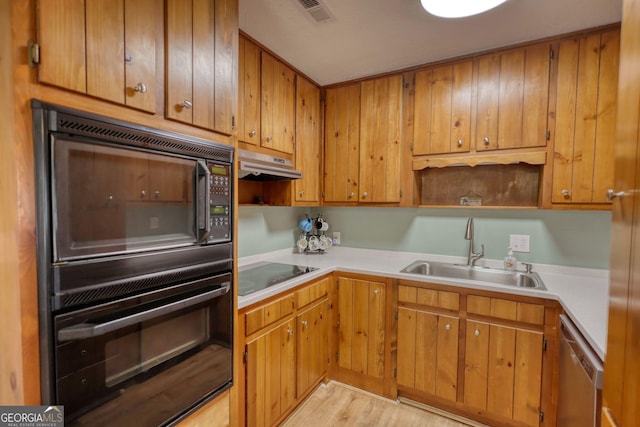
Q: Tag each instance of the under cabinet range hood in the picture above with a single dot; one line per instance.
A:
(263, 167)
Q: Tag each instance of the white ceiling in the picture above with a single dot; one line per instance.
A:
(368, 37)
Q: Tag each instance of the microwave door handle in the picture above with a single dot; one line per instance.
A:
(204, 200)
(90, 330)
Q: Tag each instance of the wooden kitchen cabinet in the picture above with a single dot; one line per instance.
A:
(249, 92)
(201, 56)
(428, 326)
(271, 370)
(363, 355)
(105, 49)
(585, 111)
(312, 357)
(442, 112)
(512, 98)
(278, 105)
(308, 143)
(154, 180)
(342, 144)
(380, 139)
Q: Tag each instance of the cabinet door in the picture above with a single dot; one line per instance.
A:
(503, 371)
(442, 118)
(428, 353)
(585, 118)
(201, 43)
(361, 338)
(249, 92)
(512, 98)
(278, 107)
(61, 36)
(380, 139)
(312, 359)
(342, 144)
(140, 53)
(308, 141)
(270, 373)
(105, 49)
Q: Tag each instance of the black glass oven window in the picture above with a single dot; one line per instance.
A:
(109, 200)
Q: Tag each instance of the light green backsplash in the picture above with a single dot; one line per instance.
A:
(570, 238)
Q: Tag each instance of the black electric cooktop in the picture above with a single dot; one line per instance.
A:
(255, 277)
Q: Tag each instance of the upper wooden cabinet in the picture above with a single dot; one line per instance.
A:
(380, 139)
(278, 105)
(308, 142)
(201, 57)
(512, 98)
(585, 110)
(442, 112)
(342, 143)
(249, 92)
(105, 49)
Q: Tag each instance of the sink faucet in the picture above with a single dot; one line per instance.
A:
(468, 235)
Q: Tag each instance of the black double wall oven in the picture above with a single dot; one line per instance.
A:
(135, 257)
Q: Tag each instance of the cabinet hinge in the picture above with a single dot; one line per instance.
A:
(233, 122)
(245, 357)
(395, 372)
(548, 134)
(544, 344)
(551, 53)
(336, 356)
(541, 416)
(33, 53)
(401, 193)
(404, 83)
(396, 314)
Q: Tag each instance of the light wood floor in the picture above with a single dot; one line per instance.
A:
(338, 405)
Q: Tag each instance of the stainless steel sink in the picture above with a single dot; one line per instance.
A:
(480, 274)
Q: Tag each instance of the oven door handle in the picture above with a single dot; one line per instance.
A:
(203, 177)
(90, 330)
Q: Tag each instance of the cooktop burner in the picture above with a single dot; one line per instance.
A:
(255, 277)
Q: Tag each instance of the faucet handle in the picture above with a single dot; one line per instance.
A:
(528, 266)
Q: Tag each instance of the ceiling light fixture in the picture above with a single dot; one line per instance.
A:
(458, 8)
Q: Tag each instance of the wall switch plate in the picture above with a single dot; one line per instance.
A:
(336, 237)
(519, 242)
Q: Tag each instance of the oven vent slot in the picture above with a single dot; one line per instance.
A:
(119, 288)
(144, 138)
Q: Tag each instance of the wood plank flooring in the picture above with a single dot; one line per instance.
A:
(336, 404)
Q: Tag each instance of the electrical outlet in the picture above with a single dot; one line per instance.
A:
(154, 223)
(336, 237)
(519, 242)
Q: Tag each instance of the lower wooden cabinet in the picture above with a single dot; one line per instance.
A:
(481, 356)
(363, 354)
(286, 352)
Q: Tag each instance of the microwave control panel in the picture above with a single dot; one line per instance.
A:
(220, 202)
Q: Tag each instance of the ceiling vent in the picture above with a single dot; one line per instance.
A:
(316, 10)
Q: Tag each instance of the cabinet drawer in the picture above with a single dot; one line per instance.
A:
(312, 292)
(269, 313)
(506, 309)
(430, 297)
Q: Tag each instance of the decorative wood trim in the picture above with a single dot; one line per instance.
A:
(474, 159)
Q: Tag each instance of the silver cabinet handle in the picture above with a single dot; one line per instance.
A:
(140, 88)
(186, 104)
(269, 139)
(611, 194)
(351, 194)
(156, 194)
(302, 193)
(447, 327)
(477, 332)
(110, 197)
(376, 291)
(459, 143)
(143, 194)
(365, 194)
(290, 331)
(252, 133)
(128, 59)
(565, 193)
(486, 140)
(304, 323)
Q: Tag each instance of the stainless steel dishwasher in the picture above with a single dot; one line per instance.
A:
(580, 384)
